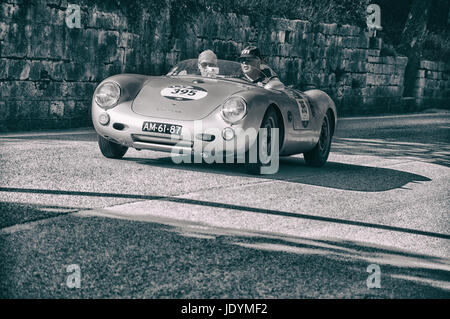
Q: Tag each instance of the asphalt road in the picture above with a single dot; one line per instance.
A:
(144, 227)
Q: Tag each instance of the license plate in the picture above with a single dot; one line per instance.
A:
(162, 128)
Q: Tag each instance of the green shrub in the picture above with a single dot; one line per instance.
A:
(328, 11)
(437, 47)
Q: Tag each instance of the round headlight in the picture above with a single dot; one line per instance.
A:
(234, 109)
(107, 94)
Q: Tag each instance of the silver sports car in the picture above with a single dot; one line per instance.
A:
(217, 114)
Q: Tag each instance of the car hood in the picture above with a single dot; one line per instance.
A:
(183, 98)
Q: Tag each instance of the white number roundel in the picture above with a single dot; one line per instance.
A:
(184, 93)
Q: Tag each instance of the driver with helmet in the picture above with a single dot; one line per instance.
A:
(256, 71)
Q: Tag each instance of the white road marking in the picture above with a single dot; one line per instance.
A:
(47, 133)
(437, 114)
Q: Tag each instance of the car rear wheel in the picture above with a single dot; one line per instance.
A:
(263, 144)
(110, 149)
(318, 156)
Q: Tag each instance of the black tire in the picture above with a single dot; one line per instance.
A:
(318, 156)
(110, 149)
(269, 121)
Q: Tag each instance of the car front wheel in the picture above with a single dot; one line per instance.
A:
(110, 149)
(318, 156)
(263, 144)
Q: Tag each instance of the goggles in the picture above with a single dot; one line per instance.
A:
(206, 64)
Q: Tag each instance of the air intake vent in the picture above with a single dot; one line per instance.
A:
(118, 126)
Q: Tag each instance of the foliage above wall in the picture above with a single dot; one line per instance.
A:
(394, 15)
(329, 11)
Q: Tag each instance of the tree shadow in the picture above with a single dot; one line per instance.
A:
(181, 259)
(19, 213)
(293, 169)
(399, 267)
(119, 254)
(41, 211)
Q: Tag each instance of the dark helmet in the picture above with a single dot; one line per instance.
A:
(250, 52)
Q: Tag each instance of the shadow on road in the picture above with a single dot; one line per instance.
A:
(241, 208)
(131, 259)
(37, 136)
(332, 175)
(12, 213)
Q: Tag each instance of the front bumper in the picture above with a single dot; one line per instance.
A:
(125, 128)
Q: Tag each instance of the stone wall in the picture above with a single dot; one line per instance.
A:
(432, 87)
(384, 83)
(339, 59)
(48, 71)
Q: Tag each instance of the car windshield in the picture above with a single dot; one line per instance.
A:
(223, 69)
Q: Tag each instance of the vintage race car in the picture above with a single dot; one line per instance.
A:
(218, 114)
